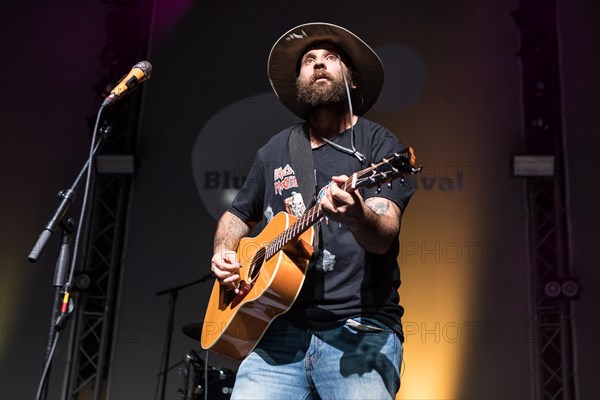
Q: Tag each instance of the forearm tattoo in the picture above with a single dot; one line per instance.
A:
(230, 232)
(378, 205)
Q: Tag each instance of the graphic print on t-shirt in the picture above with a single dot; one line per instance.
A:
(268, 213)
(294, 205)
(284, 178)
(326, 262)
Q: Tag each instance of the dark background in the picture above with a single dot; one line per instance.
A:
(452, 91)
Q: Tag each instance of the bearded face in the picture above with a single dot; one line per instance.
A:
(322, 88)
(320, 81)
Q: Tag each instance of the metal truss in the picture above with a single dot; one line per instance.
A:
(552, 287)
(97, 279)
(553, 344)
(97, 283)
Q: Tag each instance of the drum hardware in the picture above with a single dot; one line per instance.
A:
(197, 376)
(174, 293)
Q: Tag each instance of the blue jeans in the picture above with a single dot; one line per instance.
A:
(346, 362)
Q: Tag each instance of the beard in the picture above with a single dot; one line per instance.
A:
(313, 94)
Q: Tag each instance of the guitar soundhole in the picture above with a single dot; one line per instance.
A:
(257, 262)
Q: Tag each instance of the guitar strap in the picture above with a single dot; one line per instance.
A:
(302, 160)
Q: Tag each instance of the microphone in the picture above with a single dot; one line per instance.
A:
(138, 74)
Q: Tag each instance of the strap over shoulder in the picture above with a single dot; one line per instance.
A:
(302, 160)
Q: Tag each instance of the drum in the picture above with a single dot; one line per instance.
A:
(196, 378)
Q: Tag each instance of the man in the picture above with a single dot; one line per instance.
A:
(342, 338)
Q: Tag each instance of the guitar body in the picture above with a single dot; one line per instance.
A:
(234, 324)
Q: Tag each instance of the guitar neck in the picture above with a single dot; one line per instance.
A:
(308, 219)
(390, 168)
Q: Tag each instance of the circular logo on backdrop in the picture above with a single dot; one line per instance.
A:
(226, 145)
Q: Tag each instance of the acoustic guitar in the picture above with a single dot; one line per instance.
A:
(273, 266)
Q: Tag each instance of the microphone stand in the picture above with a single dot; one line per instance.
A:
(58, 318)
(60, 313)
(174, 292)
(67, 197)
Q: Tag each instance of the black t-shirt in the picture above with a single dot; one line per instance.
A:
(345, 281)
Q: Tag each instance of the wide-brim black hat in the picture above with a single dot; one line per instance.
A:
(284, 56)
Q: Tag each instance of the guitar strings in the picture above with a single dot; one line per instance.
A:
(314, 212)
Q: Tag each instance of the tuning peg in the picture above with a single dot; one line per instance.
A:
(378, 189)
(389, 185)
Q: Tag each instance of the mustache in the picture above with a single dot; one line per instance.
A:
(321, 74)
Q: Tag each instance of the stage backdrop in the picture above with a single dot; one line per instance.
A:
(452, 91)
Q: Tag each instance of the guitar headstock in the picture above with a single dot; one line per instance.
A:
(394, 166)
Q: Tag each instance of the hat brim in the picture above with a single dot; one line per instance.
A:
(281, 66)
